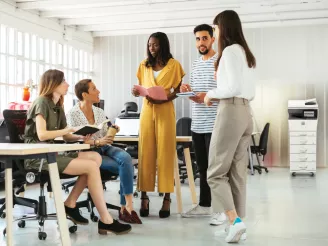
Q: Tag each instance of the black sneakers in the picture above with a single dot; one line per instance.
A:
(116, 228)
(75, 216)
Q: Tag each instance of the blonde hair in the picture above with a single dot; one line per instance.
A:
(50, 80)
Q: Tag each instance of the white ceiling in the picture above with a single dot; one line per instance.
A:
(126, 17)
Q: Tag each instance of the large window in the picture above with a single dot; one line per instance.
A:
(26, 56)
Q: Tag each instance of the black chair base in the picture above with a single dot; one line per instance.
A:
(22, 201)
(41, 215)
(89, 204)
(68, 184)
(259, 169)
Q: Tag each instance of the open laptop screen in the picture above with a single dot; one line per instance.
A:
(128, 127)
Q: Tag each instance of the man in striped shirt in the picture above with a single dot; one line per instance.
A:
(202, 79)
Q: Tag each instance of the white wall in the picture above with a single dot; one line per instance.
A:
(292, 64)
(31, 22)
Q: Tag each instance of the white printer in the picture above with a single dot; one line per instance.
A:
(302, 123)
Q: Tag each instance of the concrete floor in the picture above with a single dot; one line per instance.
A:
(281, 211)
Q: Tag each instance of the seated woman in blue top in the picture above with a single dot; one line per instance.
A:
(46, 121)
(114, 159)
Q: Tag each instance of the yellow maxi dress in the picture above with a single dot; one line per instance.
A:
(157, 135)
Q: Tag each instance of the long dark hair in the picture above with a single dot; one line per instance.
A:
(231, 33)
(164, 54)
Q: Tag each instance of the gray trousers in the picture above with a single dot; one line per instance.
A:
(228, 157)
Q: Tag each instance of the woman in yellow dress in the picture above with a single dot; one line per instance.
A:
(157, 136)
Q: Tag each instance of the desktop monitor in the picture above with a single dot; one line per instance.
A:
(128, 127)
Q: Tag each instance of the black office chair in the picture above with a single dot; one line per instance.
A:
(19, 173)
(89, 204)
(261, 149)
(15, 121)
(106, 176)
(183, 128)
(130, 110)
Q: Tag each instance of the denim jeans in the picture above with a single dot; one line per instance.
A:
(118, 162)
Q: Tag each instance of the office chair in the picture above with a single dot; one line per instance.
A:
(129, 111)
(183, 128)
(15, 121)
(261, 149)
(89, 204)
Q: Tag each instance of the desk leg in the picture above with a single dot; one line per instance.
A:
(190, 173)
(250, 160)
(177, 185)
(9, 203)
(61, 215)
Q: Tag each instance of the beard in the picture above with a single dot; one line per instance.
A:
(203, 52)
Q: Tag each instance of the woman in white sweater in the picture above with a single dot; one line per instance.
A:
(233, 127)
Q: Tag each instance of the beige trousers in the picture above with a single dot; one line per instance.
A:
(228, 157)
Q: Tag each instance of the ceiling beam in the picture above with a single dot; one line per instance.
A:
(87, 4)
(252, 7)
(115, 19)
(140, 17)
(275, 23)
(193, 21)
(132, 9)
(147, 25)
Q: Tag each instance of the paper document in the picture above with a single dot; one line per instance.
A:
(186, 94)
(155, 92)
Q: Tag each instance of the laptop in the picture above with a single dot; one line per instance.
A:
(128, 127)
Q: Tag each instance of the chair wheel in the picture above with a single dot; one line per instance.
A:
(119, 192)
(293, 174)
(72, 229)
(266, 170)
(135, 194)
(66, 190)
(182, 181)
(312, 174)
(21, 224)
(260, 171)
(94, 218)
(42, 235)
(4, 232)
(161, 194)
(3, 215)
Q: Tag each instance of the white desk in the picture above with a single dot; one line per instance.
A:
(10, 152)
(183, 141)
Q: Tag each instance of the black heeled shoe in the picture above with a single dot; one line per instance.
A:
(165, 213)
(144, 212)
(116, 228)
(75, 216)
